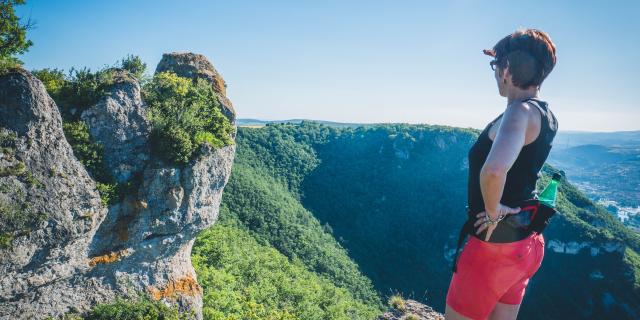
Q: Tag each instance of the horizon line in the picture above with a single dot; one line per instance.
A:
(408, 123)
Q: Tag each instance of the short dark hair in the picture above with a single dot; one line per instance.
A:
(530, 53)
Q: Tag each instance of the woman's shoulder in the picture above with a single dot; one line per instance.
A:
(520, 111)
(544, 112)
(524, 117)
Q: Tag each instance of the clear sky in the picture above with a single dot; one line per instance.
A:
(363, 61)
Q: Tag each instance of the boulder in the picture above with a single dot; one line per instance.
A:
(118, 122)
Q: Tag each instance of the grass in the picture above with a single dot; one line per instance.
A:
(13, 170)
(5, 240)
(139, 309)
(397, 302)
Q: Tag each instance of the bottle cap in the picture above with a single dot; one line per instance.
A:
(556, 176)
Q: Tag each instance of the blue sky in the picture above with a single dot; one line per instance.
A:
(363, 61)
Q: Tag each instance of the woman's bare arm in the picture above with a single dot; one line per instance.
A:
(506, 146)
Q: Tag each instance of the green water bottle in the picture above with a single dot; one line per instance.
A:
(547, 207)
(548, 195)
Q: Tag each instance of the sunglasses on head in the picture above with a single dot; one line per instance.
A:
(493, 63)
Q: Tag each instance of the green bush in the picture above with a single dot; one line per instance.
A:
(397, 302)
(184, 114)
(76, 91)
(5, 240)
(81, 90)
(173, 145)
(91, 155)
(134, 65)
(53, 79)
(140, 309)
(9, 63)
(88, 152)
(109, 192)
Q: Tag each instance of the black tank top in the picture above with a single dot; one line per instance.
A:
(521, 178)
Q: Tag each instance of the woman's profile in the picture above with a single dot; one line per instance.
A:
(492, 272)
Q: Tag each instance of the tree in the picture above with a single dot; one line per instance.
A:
(13, 35)
(134, 65)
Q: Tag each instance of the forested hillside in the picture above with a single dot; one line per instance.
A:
(384, 204)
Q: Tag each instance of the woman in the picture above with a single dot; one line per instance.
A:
(492, 273)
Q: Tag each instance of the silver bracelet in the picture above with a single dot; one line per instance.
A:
(500, 217)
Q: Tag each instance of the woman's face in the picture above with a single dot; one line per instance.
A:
(501, 75)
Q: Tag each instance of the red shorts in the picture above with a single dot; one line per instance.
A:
(488, 273)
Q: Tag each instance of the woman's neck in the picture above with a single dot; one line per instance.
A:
(517, 94)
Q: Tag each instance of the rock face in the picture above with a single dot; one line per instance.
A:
(191, 65)
(119, 123)
(413, 310)
(43, 251)
(77, 252)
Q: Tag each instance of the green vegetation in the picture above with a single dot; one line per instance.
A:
(141, 308)
(54, 80)
(397, 302)
(13, 170)
(30, 180)
(91, 156)
(261, 203)
(5, 240)
(16, 215)
(394, 197)
(135, 66)
(632, 259)
(359, 173)
(78, 90)
(73, 94)
(7, 141)
(184, 114)
(13, 35)
(83, 88)
(243, 279)
(595, 222)
(88, 152)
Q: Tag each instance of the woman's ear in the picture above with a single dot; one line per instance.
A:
(504, 74)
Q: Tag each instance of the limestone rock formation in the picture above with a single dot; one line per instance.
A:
(61, 249)
(191, 65)
(63, 208)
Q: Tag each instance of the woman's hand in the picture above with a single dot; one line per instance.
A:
(482, 221)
